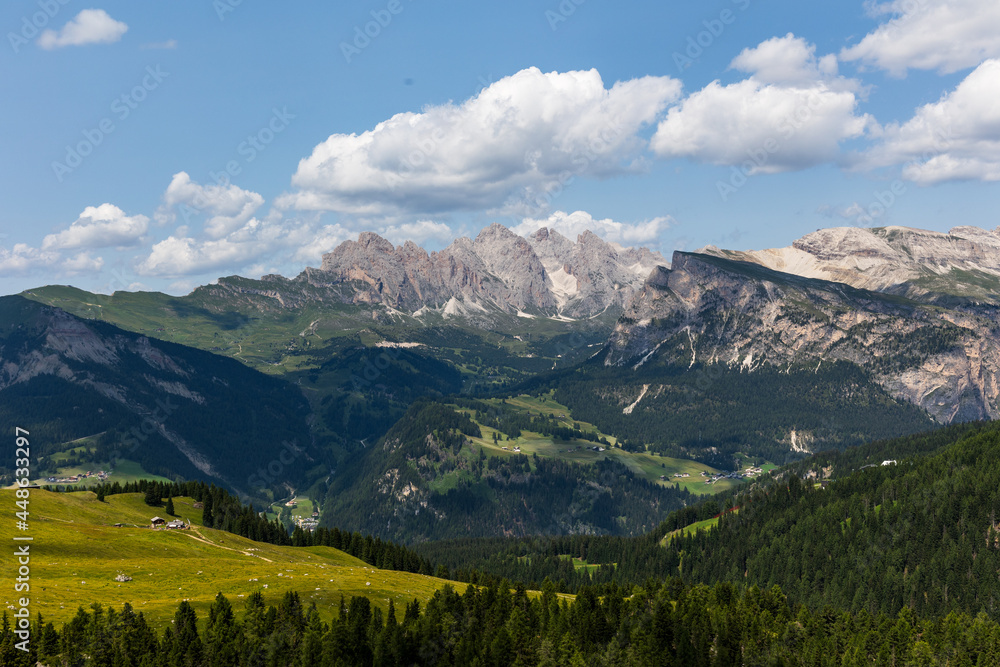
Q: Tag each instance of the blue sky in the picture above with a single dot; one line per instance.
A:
(160, 145)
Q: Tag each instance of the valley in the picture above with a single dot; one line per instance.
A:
(704, 425)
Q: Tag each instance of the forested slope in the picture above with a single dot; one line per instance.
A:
(922, 534)
(424, 481)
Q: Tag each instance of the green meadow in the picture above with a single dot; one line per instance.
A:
(644, 464)
(77, 552)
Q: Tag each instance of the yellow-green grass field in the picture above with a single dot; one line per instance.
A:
(580, 563)
(76, 554)
(644, 464)
(124, 471)
(707, 524)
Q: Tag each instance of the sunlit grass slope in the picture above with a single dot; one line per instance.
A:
(77, 552)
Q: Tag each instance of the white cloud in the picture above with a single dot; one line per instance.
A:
(946, 35)
(22, 259)
(418, 232)
(101, 226)
(791, 113)
(272, 241)
(955, 138)
(502, 147)
(785, 60)
(181, 287)
(183, 255)
(573, 224)
(309, 244)
(81, 263)
(91, 26)
(229, 206)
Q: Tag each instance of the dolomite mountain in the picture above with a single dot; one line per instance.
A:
(925, 265)
(544, 274)
(917, 309)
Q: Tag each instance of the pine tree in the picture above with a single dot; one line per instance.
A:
(206, 515)
(152, 495)
(170, 506)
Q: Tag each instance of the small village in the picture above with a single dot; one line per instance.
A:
(309, 523)
(100, 475)
(747, 473)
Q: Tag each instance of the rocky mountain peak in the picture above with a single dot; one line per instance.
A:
(541, 274)
(938, 347)
(964, 262)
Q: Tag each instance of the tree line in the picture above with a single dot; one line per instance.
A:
(660, 624)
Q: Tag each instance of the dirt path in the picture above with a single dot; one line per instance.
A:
(198, 537)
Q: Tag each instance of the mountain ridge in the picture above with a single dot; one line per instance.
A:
(541, 274)
(726, 309)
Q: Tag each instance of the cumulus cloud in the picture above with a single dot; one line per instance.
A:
(228, 206)
(22, 259)
(573, 224)
(183, 255)
(82, 263)
(419, 232)
(785, 60)
(791, 113)
(103, 226)
(955, 138)
(942, 35)
(272, 240)
(91, 26)
(507, 145)
(309, 243)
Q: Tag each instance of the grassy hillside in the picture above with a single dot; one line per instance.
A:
(434, 477)
(648, 465)
(77, 552)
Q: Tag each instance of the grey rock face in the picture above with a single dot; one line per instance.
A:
(545, 274)
(931, 266)
(714, 310)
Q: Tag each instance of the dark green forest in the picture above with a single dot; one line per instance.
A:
(661, 624)
(711, 412)
(394, 491)
(922, 534)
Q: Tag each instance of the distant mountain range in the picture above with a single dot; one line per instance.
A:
(377, 326)
(543, 274)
